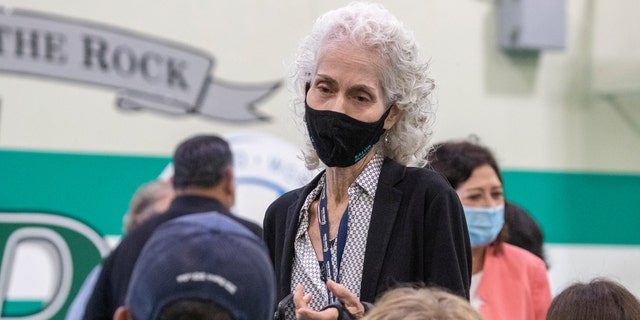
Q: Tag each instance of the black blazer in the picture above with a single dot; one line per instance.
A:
(418, 234)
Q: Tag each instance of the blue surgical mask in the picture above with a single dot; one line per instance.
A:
(484, 224)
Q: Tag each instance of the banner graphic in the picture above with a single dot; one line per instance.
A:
(148, 73)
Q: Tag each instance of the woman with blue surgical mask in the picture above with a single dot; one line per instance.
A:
(507, 282)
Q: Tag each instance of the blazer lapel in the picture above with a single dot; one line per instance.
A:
(292, 221)
(385, 209)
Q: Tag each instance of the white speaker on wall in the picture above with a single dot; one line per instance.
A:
(532, 25)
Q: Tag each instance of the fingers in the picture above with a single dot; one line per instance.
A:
(348, 299)
(300, 300)
(304, 312)
(309, 314)
(340, 291)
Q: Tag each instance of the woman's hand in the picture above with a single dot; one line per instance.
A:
(348, 300)
(303, 312)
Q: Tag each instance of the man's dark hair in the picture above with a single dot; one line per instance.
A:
(194, 309)
(201, 161)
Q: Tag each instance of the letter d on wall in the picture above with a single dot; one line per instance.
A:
(45, 258)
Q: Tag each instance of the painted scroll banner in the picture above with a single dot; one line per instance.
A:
(148, 73)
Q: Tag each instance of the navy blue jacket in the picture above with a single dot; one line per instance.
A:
(111, 288)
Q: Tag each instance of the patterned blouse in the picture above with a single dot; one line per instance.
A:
(306, 269)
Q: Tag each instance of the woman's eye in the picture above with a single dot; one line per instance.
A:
(475, 197)
(323, 89)
(362, 99)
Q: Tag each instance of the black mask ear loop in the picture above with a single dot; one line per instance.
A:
(307, 87)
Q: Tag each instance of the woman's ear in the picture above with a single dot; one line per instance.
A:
(393, 117)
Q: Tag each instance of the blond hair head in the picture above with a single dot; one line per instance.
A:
(422, 304)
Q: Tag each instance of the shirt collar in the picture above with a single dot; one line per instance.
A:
(367, 181)
(368, 178)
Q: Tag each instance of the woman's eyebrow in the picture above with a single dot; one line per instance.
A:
(362, 87)
(474, 189)
(326, 78)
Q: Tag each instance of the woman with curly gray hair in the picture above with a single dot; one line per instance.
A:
(368, 221)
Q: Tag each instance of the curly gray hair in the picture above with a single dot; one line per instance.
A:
(403, 76)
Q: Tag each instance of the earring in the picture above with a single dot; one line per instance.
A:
(386, 138)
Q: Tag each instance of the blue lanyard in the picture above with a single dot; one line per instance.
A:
(323, 221)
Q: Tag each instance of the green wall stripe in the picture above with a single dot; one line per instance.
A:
(94, 189)
(581, 208)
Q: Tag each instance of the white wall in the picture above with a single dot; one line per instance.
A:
(535, 111)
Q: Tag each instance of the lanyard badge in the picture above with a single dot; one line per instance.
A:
(328, 272)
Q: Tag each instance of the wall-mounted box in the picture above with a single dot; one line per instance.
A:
(532, 24)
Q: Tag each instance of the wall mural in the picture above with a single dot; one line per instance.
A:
(49, 242)
(147, 73)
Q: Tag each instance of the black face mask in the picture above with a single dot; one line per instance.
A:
(339, 140)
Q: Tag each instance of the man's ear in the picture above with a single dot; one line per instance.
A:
(393, 117)
(230, 186)
(229, 180)
(122, 313)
